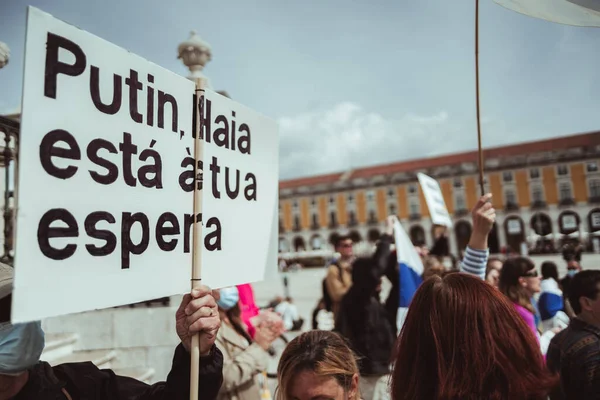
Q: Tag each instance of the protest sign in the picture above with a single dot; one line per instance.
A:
(240, 196)
(435, 201)
(105, 191)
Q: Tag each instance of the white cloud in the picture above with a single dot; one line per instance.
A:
(348, 136)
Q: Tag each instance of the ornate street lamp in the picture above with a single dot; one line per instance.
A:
(195, 53)
(4, 54)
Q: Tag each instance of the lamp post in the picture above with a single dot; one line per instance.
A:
(195, 54)
(7, 153)
(4, 54)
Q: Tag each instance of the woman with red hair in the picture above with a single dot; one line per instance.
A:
(463, 339)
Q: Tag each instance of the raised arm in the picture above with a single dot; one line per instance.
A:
(477, 252)
(197, 314)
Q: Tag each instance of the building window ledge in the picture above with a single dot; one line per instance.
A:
(511, 207)
(594, 200)
(415, 217)
(461, 213)
(567, 202)
(536, 205)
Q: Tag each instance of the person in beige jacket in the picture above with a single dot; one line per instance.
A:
(244, 359)
(339, 274)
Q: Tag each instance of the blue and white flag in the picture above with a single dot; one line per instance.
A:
(551, 299)
(410, 265)
(410, 270)
(568, 12)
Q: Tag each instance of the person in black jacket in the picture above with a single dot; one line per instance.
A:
(572, 256)
(392, 273)
(24, 377)
(362, 318)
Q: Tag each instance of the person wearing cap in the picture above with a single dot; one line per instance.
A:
(24, 377)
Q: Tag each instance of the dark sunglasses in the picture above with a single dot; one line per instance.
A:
(530, 274)
(346, 245)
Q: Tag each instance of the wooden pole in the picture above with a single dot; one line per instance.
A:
(17, 139)
(197, 238)
(479, 148)
(7, 217)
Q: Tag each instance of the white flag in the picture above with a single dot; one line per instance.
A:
(568, 12)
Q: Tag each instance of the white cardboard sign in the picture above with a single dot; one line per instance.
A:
(435, 201)
(241, 179)
(106, 178)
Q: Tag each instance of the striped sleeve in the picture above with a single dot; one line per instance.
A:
(475, 262)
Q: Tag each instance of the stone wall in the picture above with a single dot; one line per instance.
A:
(142, 336)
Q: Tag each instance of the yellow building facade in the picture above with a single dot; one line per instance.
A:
(545, 193)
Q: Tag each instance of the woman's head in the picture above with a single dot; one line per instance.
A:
(228, 298)
(458, 324)
(549, 270)
(362, 274)
(492, 276)
(431, 262)
(432, 266)
(495, 263)
(519, 281)
(492, 272)
(318, 364)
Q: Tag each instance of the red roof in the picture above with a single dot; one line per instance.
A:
(310, 181)
(582, 140)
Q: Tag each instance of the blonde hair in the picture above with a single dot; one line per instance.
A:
(324, 353)
(432, 267)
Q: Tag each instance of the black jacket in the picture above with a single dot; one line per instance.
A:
(362, 318)
(392, 272)
(84, 381)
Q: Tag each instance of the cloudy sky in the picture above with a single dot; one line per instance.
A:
(356, 83)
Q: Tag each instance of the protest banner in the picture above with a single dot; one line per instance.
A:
(435, 201)
(240, 179)
(105, 212)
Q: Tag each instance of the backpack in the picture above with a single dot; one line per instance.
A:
(327, 301)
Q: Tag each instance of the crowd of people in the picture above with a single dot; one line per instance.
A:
(488, 328)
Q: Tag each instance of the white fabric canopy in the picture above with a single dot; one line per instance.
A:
(568, 12)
